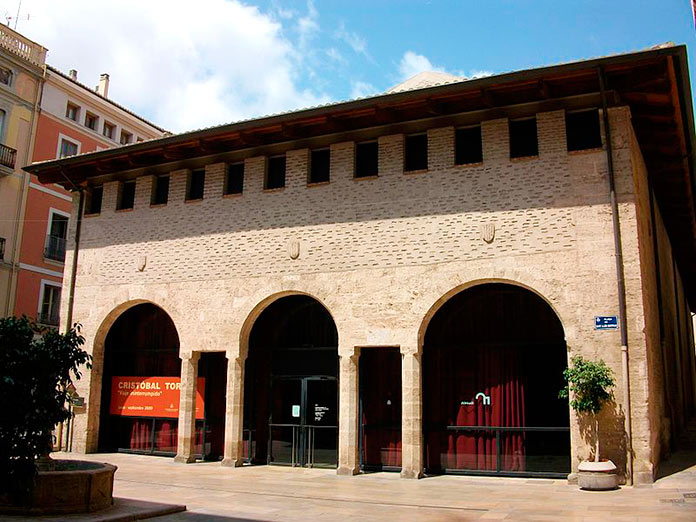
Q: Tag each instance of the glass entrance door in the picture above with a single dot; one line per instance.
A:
(303, 426)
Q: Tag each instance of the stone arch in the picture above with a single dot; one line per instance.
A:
(259, 308)
(477, 373)
(96, 373)
(448, 294)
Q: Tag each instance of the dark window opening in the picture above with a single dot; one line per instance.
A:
(275, 175)
(91, 121)
(320, 166)
(94, 202)
(366, 159)
(234, 183)
(127, 196)
(582, 130)
(196, 185)
(160, 194)
(523, 138)
(468, 146)
(416, 152)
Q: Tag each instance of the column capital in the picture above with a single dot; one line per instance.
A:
(410, 350)
(235, 356)
(190, 356)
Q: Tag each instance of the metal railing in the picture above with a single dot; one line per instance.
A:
(8, 156)
(21, 46)
(49, 319)
(55, 248)
(498, 432)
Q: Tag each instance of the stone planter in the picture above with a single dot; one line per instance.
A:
(74, 487)
(597, 476)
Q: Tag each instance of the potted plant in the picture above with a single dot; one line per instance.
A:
(588, 386)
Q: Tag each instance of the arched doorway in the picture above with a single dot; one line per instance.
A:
(291, 392)
(493, 361)
(142, 342)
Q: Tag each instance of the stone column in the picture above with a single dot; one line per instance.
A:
(187, 408)
(411, 415)
(348, 421)
(234, 411)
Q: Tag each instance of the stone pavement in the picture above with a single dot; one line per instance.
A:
(263, 493)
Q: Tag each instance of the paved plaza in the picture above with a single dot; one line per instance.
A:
(262, 493)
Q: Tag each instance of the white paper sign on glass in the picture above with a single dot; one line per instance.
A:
(295, 410)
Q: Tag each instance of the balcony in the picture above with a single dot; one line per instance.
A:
(21, 46)
(49, 319)
(55, 248)
(7, 156)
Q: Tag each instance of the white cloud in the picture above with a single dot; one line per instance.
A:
(361, 89)
(354, 40)
(412, 64)
(182, 65)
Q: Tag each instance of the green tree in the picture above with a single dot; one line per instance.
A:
(588, 385)
(37, 366)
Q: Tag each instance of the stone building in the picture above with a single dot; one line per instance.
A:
(397, 282)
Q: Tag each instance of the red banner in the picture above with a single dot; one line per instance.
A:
(151, 396)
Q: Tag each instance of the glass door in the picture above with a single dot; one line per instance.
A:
(303, 426)
(321, 422)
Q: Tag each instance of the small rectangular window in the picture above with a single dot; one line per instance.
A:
(50, 305)
(275, 174)
(468, 146)
(416, 152)
(94, 200)
(126, 198)
(582, 130)
(320, 166)
(160, 190)
(91, 121)
(366, 159)
(67, 148)
(108, 130)
(126, 137)
(234, 181)
(196, 185)
(72, 111)
(523, 138)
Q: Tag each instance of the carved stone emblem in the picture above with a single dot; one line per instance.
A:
(142, 261)
(294, 249)
(488, 232)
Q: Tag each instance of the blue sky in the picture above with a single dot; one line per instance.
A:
(188, 65)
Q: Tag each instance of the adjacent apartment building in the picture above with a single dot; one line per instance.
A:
(397, 282)
(73, 119)
(46, 114)
(21, 76)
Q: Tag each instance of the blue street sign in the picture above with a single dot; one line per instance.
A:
(606, 322)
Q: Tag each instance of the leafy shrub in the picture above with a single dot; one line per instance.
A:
(37, 366)
(589, 385)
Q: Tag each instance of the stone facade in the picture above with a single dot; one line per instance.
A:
(382, 255)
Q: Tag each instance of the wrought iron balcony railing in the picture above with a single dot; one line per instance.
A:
(7, 156)
(55, 248)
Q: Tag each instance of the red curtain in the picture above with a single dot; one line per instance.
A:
(381, 406)
(477, 386)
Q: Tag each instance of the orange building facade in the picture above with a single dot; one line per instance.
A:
(73, 119)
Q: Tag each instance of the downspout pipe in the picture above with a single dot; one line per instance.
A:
(620, 279)
(76, 251)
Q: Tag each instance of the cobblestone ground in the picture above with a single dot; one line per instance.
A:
(266, 493)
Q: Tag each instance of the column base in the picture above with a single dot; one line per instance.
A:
(411, 474)
(347, 471)
(232, 463)
(183, 459)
